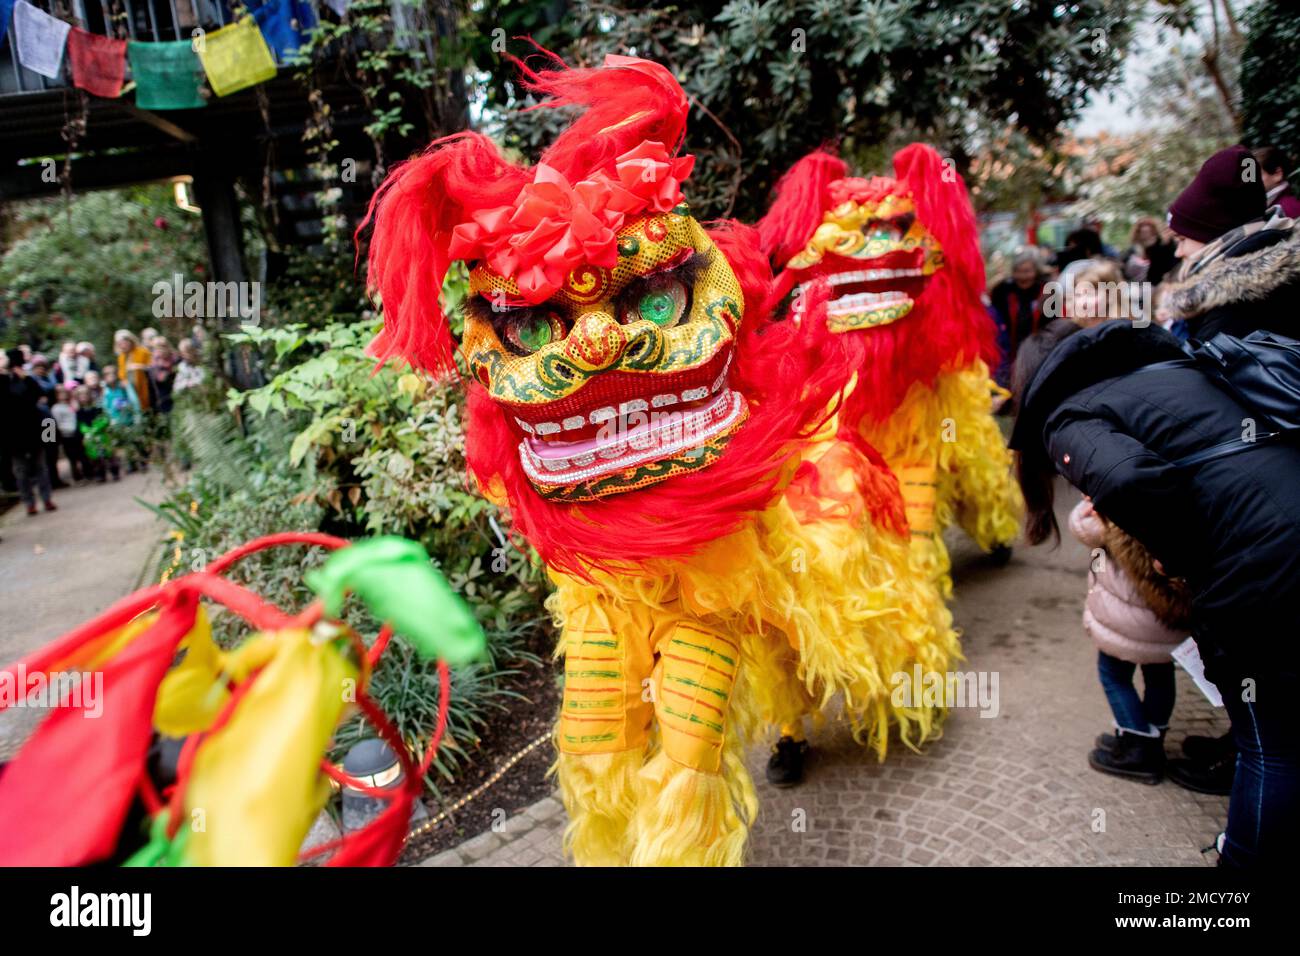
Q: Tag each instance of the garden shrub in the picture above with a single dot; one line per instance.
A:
(330, 444)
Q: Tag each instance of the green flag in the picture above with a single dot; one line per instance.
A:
(167, 75)
(396, 581)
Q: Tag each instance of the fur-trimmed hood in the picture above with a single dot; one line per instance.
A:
(1168, 598)
(1229, 278)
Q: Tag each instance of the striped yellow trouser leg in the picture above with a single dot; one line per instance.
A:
(919, 483)
(697, 798)
(604, 724)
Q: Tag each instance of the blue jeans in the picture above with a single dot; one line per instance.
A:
(1142, 715)
(1264, 810)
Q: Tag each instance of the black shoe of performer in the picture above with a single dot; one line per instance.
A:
(785, 766)
(1134, 757)
(1000, 556)
(1215, 778)
(1209, 750)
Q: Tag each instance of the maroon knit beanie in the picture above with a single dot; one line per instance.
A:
(1226, 193)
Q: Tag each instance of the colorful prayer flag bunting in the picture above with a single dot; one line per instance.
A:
(168, 75)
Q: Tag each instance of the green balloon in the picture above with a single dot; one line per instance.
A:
(396, 581)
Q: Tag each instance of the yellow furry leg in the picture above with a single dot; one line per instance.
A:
(599, 792)
(976, 485)
(690, 817)
(603, 730)
(770, 689)
(696, 798)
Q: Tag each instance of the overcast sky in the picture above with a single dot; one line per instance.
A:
(1115, 110)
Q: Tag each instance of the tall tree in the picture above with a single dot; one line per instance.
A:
(1191, 103)
(1270, 76)
(83, 269)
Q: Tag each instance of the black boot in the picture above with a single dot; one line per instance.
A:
(1000, 556)
(1209, 750)
(785, 767)
(1108, 741)
(1138, 758)
(1214, 778)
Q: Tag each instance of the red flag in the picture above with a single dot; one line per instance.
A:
(64, 797)
(98, 63)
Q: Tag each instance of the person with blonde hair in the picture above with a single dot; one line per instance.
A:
(1096, 291)
(133, 365)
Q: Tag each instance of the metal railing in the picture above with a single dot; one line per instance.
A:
(144, 20)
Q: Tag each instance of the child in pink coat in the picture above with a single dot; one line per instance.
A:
(1136, 616)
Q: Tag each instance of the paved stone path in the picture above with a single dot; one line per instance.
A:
(1011, 789)
(61, 568)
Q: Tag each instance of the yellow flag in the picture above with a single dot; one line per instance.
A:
(236, 57)
(256, 785)
(194, 691)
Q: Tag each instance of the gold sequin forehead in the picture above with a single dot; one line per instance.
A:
(849, 230)
(854, 215)
(645, 245)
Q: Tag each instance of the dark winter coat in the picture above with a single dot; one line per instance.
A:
(1253, 284)
(1230, 527)
(21, 417)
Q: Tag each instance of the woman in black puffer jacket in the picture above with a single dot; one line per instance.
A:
(1230, 527)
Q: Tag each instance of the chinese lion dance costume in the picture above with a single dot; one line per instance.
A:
(897, 263)
(643, 426)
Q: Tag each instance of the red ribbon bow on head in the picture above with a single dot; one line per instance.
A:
(555, 226)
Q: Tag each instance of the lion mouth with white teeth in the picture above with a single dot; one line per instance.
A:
(620, 379)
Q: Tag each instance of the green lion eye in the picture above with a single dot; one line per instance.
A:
(663, 305)
(531, 334)
(657, 307)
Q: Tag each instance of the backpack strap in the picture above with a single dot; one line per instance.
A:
(1233, 446)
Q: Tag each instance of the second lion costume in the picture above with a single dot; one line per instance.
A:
(898, 258)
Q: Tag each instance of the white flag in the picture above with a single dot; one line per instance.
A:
(40, 38)
(338, 6)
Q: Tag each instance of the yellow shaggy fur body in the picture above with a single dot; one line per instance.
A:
(949, 429)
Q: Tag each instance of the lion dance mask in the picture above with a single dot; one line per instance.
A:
(896, 261)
